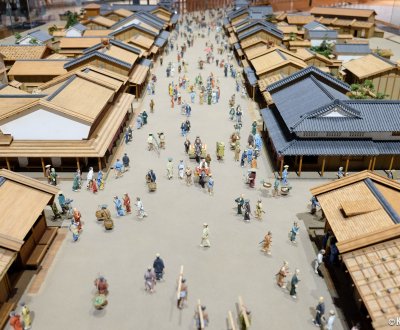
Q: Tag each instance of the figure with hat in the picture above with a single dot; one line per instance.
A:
(247, 210)
(210, 184)
(205, 241)
(140, 208)
(53, 177)
(181, 169)
(340, 174)
(240, 202)
(76, 184)
(320, 311)
(293, 283)
(285, 175)
(104, 214)
(170, 169)
(281, 275)
(259, 210)
(47, 173)
(26, 316)
(15, 321)
(118, 206)
(331, 320)
(293, 232)
(151, 176)
(161, 136)
(144, 117)
(149, 280)
(267, 241)
(158, 266)
(127, 203)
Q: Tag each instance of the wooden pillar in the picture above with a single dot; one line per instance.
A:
(346, 167)
(373, 164)
(78, 166)
(100, 164)
(43, 167)
(390, 165)
(254, 89)
(281, 166)
(323, 166)
(300, 165)
(231, 321)
(8, 164)
(370, 163)
(200, 311)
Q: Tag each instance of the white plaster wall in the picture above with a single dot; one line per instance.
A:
(346, 58)
(73, 33)
(45, 125)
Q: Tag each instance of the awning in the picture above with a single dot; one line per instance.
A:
(139, 74)
(160, 42)
(251, 76)
(146, 62)
(154, 49)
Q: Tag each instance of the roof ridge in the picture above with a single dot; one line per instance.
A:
(318, 83)
(383, 59)
(59, 90)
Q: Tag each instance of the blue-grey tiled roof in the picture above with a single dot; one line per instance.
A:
(312, 25)
(236, 13)
(259, 12)
(80, 27)
(251, 76)
(236, 45)
(250, 23)
(174, 19)
(96, 54)
(388, 147)
(160, 42)
(40, 35)
(164, 34)
(301, 74)
(146, 62)
(134, 8)
(326, 34)
(226, 21)
(133, 25)
(351, 49)
(152, 17)
(274, 31)
(114, 42)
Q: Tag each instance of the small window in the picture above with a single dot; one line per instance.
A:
(356, 134)
(333, 134)
(395, 133)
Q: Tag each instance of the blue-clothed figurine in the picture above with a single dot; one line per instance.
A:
(340, 173)
(249, 155)
(139, 122)
(242, 159)
(314, 204)
(258, 141)
(118, 206)
(192, 96)
(285, 175)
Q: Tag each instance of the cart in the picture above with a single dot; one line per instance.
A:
(152, 186)
(220, 150)
(192, 154)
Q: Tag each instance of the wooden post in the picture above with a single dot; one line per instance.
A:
(8, 164)
(100, 164)
(346, 167)
(390, 165)
(231, 322)
(178, 293)
(281, 166)
(373, 164)
(370, 163)
(323, 166)
(300, 165)
(200, 314)
(43, 167)
(254, 89)
(78, 166)
(243, 310)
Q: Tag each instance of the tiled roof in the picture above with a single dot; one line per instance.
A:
(80, 27)
(309, 71)
(96, 54)
(274, 31)
(252, 23)
(351, 49)
(40, 35)
(313, 25)
(174, 18)
(22, 52)
(150, 19)
(251, 76)
(326, 34)
(114, 43)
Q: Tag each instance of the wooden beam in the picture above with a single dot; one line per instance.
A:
(178, 293)
(43, 167)
(391, 163)
(346, 167)
(243, 310)
(300, 165)
(99, 161)
(323, 166)
(232, 325)
(373, 164)
(281, 166)
(78, 166)
(8, 164)
(200, 314)
(370, 163)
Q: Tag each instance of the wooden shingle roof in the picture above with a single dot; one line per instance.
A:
(22, 52)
